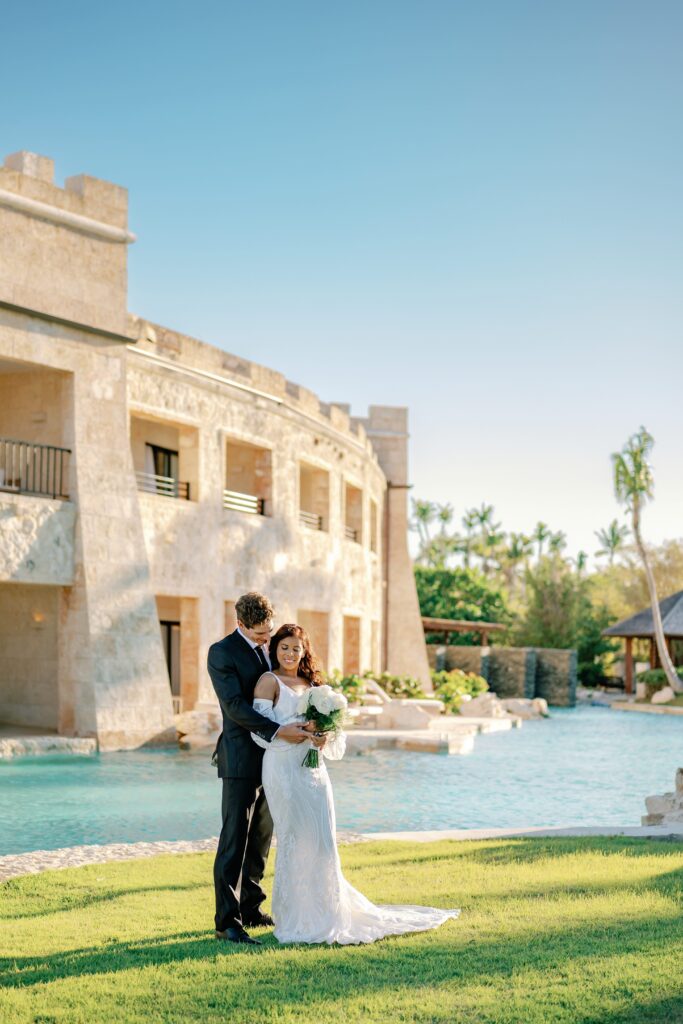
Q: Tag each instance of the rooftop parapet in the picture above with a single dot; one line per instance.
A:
(63, 250)
(199, 356)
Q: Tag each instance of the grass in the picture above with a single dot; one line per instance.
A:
(552, 930)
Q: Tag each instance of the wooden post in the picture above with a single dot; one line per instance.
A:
(484, 638)
(653, 653)
(628, 665)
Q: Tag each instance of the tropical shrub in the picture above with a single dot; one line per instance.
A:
(459, 594)
(655, 679)
(451, 687)
(352, 686)
(398, 686)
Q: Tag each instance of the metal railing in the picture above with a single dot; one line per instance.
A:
(351, 533)
(311, 519)
(239, 502)
(167, 486)
(177, 703)
(27, 468)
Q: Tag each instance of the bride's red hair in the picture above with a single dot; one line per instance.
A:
(309, 666)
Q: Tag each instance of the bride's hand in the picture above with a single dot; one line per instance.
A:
(319, 741)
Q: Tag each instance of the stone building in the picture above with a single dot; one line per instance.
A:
(147, 479)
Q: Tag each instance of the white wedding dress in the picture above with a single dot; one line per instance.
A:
(312, 901)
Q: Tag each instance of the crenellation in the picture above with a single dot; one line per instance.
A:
(32, 165)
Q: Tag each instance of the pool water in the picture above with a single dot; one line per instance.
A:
(584, 766)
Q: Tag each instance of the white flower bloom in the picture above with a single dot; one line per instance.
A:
(302, 704)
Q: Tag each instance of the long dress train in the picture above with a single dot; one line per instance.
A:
(312, 901)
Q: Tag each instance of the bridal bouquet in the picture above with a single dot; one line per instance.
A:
(326, 708)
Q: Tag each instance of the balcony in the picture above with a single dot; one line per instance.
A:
(351, 533)
(314, 497)
(248, 478)
(311, 519)
(38, 469)
(167, 486)
(248, 503)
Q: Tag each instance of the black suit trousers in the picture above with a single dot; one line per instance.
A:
(242, 852)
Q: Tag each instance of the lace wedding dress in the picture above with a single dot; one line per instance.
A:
(312, 901)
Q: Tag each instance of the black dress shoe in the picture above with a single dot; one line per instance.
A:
(237, 935)
(259, 920)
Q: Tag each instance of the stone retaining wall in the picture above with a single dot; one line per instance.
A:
(512, 671)
(556, 676)
(515, 671)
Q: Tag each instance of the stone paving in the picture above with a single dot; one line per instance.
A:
(14, 865)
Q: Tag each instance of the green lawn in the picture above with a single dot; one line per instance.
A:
(551, 930)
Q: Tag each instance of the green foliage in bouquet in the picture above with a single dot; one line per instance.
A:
(451, 687)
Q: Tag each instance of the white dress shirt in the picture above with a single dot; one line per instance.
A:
(263, 647)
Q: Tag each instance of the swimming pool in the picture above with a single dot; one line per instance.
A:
(584, 766)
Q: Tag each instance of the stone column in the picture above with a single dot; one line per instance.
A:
(404, 646)
(114, 681)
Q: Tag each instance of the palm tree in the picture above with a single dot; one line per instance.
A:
(633, 485)
(490, 548)
(517, 553)
(611, 539)
(424, 513)
(581, 561)
(469, 521)
(557, 542)
(540, 535)
(444, 513)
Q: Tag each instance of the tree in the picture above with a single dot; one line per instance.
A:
(633, 486)
(560, 613)
(459, 594)
(557, 542)
(445, 515)
(611, 540)
(424, 514)
(581, 561)
(540, 535)
(517, 554)
(469, 521)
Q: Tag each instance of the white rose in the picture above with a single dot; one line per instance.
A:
(302, 704)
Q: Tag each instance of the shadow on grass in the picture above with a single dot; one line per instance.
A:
(399, 961)
(656, 1011)
(526, 850)
(67, 904)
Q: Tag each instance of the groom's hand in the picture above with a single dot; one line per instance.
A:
(293, 733)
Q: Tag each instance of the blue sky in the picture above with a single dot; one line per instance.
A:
(473, 209)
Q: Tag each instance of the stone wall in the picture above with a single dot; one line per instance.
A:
(33, 404)
(512, 671)
(37, 544)
(515, 671)
(29, 677)
(556, 676)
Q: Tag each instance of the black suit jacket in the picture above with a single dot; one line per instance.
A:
(235, 668)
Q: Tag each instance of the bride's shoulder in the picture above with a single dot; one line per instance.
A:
(266, 686)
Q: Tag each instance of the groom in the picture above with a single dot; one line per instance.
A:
(235, 664)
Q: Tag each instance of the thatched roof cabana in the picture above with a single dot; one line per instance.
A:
(641, 626)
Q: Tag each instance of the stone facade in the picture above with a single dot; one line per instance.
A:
(191, 476)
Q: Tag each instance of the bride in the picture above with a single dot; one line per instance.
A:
(312, 901)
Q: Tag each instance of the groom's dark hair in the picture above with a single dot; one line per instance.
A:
(253, 609)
